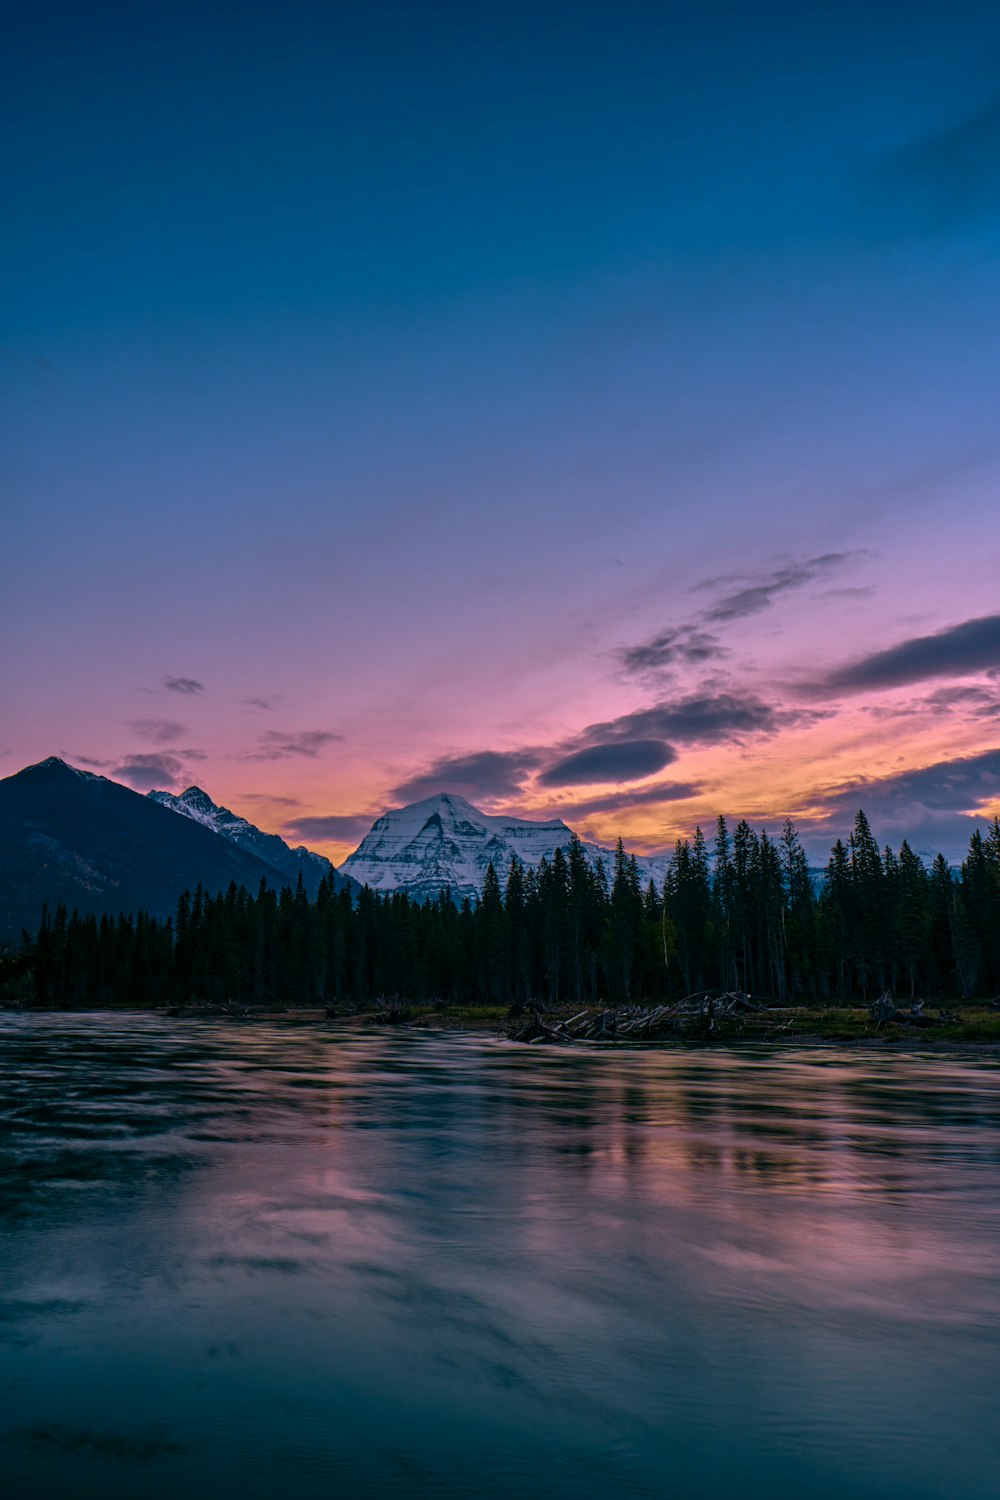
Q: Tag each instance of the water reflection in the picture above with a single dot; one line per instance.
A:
(246, 1260)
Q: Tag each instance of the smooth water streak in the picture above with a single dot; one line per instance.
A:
(251, 1259)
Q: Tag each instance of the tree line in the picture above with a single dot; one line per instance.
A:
(747, 913)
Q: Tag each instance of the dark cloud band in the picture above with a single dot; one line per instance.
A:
(698, 718)
(621, 760)
(646, 796)
(963, 649)
(483, 773)
(958, 785)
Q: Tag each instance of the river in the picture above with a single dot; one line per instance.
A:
(251, 1260)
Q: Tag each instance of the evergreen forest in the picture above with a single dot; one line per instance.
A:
(745, 912)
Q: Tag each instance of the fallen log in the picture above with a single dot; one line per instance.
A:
(701, 1014)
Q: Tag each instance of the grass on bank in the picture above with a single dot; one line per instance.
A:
(828, 1023)
(845, 1024)
(975, 1023)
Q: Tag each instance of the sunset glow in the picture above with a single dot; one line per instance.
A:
(601, 486)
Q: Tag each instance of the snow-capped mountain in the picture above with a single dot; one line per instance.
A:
(288, 862)
(445, 841)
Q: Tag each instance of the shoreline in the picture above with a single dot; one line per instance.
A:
(846, 1029)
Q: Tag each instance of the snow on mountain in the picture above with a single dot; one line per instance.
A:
(286, 861)
(445, 841)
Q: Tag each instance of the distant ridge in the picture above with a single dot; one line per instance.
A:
(73, 838)
(68, 837)
(288, 862)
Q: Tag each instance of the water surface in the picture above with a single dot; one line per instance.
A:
(253, 1260)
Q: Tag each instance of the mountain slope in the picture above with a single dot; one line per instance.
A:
(445, 841)
(71, 838)
(288, 862)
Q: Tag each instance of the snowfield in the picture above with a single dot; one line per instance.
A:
(445, 841)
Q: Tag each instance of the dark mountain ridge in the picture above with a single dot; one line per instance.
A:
(71, 838)
(288, 862)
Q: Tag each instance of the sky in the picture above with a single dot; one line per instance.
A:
(589, 409)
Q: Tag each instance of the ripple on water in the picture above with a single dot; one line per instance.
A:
(240, 1259)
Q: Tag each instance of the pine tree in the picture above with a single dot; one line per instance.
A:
(743, 902)
(867, 907)
(912, 927)
(941, 891)
(836, 912)
(723, 904)
(770, 905)
(799, 916)
(493, 938)
(625, 924)
(981, 904)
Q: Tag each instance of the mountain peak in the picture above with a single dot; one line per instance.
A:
(443, 799)
(444, 841)
(193, 796)
(195, 804)
(70, 838)
(54, 764)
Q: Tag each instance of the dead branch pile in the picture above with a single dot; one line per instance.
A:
(884, 1011)
(703, 1014)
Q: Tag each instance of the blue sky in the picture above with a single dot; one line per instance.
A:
(405, 370)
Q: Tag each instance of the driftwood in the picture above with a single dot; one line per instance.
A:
(698, 1015)
(884, 1010)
